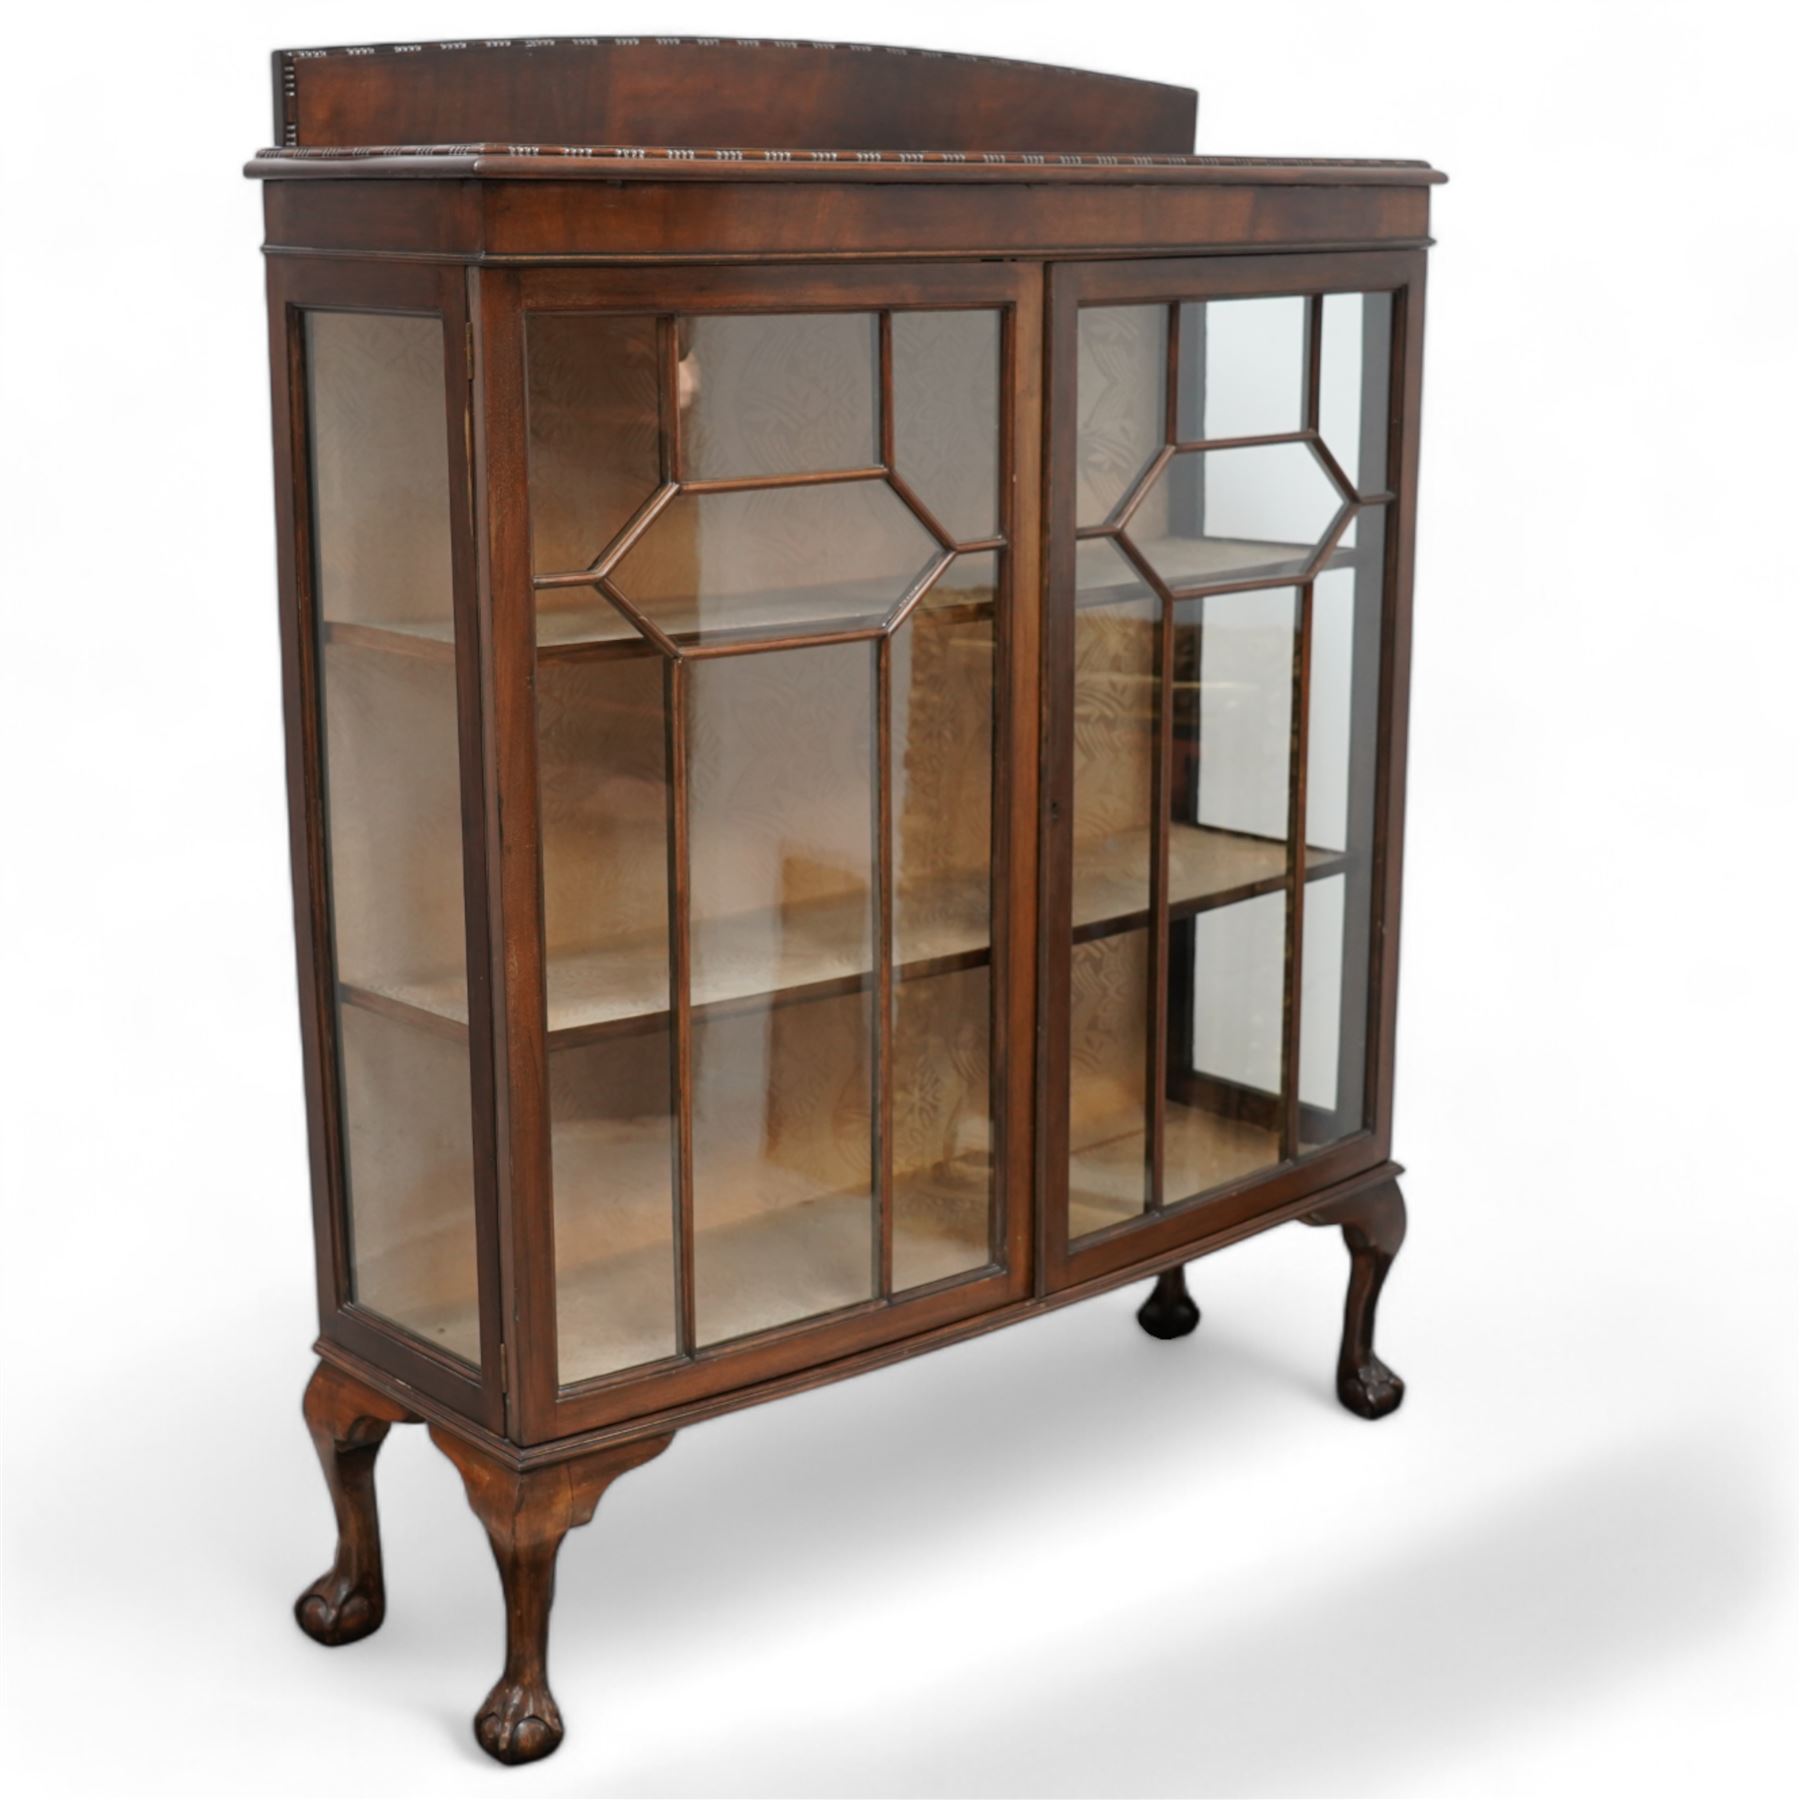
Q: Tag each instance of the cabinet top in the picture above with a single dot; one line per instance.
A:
(727, 108)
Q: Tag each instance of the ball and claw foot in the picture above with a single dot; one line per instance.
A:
(1170, 1311)
(1371, 1391)
(336, 1610)
(518, 1722)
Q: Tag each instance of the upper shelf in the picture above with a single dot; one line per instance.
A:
(717, 108)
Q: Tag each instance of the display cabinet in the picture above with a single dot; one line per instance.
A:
(845, 628)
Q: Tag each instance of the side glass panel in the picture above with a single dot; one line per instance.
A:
(1227, 650)
(381, 531)
(767, 711)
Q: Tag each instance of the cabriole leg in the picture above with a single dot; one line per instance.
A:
(527, 1514)
(348, 1422)
(1170, 1311)
(1374, 1223)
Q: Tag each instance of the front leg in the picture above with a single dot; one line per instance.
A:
(1170, 1311)
(348, 1422)
(1374, 1223)
(527, 1513)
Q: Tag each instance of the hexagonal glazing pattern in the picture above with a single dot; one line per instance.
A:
(1263, 511)
(776, 562)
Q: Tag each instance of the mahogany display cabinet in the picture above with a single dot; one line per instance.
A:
(845, 627)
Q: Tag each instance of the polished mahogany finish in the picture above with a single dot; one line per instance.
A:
(840, 798)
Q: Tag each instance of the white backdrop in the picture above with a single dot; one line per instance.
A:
(1065, 1559)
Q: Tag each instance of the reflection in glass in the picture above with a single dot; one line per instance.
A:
(393, 823)
(1121, 378)
(779, 393)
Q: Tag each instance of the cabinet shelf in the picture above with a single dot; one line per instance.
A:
(1192, 562)
(1208, 868)
(819, 950)
(598, 631)
(776, 1251)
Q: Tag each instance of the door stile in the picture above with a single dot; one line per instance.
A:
(1056, 907)
(881, 821)
(1402, 465)
(1018, 743)
(681, 996)
(508, 637)
(466, 602)
(1294, 926)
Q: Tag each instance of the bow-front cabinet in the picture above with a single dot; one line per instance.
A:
(846, 692)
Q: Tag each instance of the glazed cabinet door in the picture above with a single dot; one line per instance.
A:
(380, 662)
(761, 588)
(1228, 522)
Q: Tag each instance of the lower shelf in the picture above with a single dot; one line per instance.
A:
(1200, 1151)
(774, 1268)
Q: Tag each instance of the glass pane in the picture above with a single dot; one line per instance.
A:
(1234, 664)
(1121, 378)
(779, 393)
(603, 808)
(781, 848)
(778, 561)
(612, 1175)
(1257, 513)
(1224, 1105)
(411, 1177)
(1115, 736)
(1109, 1033)
(1342, 736)
(942, 670)
(380, 474)
(1115, 706)
(1243, 368)
(1353, 384)
(393, 818)
(947, 416)
(594, 440)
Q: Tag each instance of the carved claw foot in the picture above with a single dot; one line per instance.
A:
(518, 1722)
(1374, 1225)
(1372, 1391)
(1170, 1311)
(348, 1423)
(338, 1609)
(527, 1513)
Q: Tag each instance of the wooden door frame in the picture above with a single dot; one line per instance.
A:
(1170, 280)
(500, 299)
